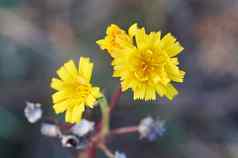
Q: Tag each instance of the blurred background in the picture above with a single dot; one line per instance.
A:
(37, 36)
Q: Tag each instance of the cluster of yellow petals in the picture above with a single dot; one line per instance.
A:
(116, 40)
(74, 90)
(145, 63)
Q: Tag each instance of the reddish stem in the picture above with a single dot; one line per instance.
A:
(92, 152)
(115, 98)
(125, 130)
(92, 149)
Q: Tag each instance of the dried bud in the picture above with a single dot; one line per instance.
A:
(83, 128)
(72, 141)
(33, 112)
(50, 130)
(120, 155)
(151, 129)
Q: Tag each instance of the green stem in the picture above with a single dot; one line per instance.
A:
(105, 115)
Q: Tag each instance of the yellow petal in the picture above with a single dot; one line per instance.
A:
(90, 101)
(125, 85)
(77, 113)
(64, 74)
(175, 49)
(71, 68)
(160, 89)
(167, 40)
(174, 61)
(139, 92)
(140, 38)
(174, 73)
(171, 92)
(85, 68)
(169, 44)
(133, 29)
(56, 84)
(69, 103)
(158, 38)
(101, 43)
(150, 94)
(113, 28)
(96, 92)
(60, 107)
(59, 96)
(69, 115)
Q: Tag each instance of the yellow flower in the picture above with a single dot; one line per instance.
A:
(75, 91)
(115, 39)
(149, 64)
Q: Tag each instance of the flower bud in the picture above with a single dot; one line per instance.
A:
(33, 112)
(120, 155)
(151, 129)
(50, 130)
(82, 128)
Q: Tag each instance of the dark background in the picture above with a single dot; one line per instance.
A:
(37, 36)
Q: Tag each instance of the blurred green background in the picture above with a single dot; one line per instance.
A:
(37, 36)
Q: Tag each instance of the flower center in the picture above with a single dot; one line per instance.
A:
(82, 91)
(78, 91)
(145, 65)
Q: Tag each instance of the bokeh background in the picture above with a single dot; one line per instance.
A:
(37, 36)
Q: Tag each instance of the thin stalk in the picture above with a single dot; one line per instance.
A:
(115, 98)
(105, 116)
(105, 149)
(125, 130)
(102, 127)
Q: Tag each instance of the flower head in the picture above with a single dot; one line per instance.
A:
(115, 40)
(75, 91)
(147, 63)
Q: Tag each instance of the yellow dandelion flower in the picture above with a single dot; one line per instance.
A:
(115, 39)
(74, 90)
(149, 64)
